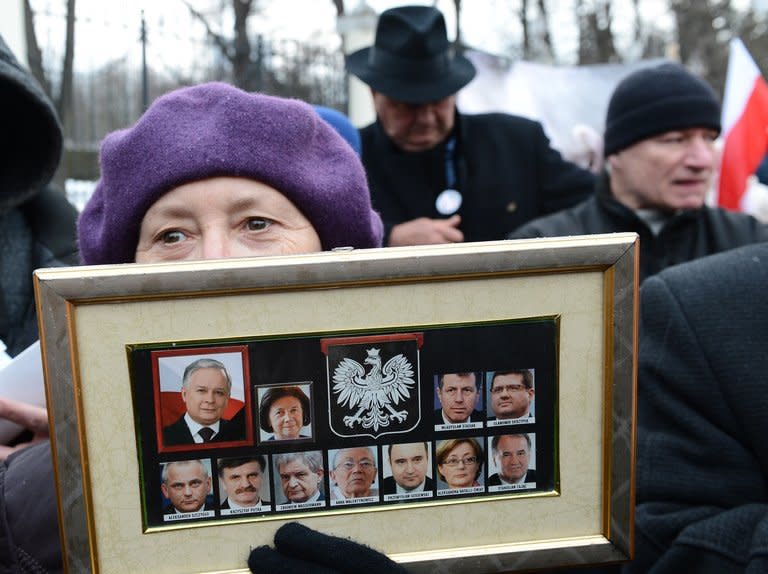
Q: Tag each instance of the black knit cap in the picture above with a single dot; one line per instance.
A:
(655, 100)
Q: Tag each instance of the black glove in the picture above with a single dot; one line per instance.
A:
(300, 550)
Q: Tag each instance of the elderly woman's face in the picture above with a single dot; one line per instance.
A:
(223, 217)
(286, 416)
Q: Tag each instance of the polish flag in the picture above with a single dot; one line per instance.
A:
(745, 127)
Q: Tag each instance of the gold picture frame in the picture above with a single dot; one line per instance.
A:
(92, 317)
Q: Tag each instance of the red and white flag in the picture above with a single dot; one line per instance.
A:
(745, 127)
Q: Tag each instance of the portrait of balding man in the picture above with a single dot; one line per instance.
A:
(186, 484)
(512, 456)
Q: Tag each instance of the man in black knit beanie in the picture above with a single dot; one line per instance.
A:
(661, 161)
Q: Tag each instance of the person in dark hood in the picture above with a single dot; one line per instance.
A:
(37, 229)
(37, 223)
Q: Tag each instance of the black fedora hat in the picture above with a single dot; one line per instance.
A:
(411, 59)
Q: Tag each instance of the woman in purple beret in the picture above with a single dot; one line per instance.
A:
(211, 171)
(208, 172)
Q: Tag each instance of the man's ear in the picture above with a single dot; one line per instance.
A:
(375, 100)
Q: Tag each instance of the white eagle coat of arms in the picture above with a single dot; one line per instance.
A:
(373, 393)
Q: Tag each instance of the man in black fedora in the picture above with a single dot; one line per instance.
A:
(438, 176)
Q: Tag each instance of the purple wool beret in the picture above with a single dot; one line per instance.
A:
(215, 130)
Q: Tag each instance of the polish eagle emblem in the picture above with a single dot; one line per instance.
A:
(373, 393)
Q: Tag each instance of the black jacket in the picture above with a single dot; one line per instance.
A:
(389, 486)
(29, 527)
(177, 433)
(688, 235)
(495, 479)
(505, 169)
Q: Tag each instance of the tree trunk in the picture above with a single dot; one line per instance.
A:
(458, 44)
(604, 33)
(546, 35)
(526, 29)
(241, 59)
(638, 33)
(64, 101)
(34, 54)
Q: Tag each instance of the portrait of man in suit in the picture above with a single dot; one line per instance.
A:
(300, 477)
(186, 484)
(409, 463)
(459, 394)
(241, 480)
(511, 395)
(206, 388)
(512, 456)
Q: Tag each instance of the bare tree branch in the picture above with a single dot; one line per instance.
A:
(218, 39)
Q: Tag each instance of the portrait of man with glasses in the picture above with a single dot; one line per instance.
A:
(459, 394)
(353, 475)
(459, 466)
(511, 396)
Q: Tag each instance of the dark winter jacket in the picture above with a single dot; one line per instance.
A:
(505, 170)
(702, 467)
(29, 533)
(37, 224)
(688, 235)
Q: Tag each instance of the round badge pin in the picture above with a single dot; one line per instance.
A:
(448, 202)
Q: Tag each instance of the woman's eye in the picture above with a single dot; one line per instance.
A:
(257, 224)
(172, 236)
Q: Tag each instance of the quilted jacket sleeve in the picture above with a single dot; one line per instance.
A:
(29, 532)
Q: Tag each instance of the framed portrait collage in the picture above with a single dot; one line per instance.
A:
(415, 389)
(426, 394)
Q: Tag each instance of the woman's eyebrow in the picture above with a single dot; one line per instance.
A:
(179, 210)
